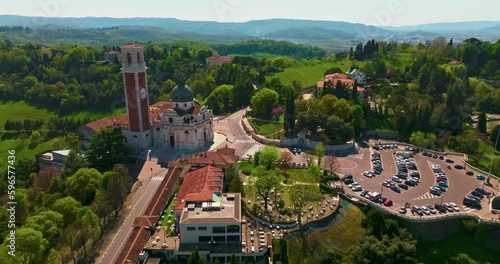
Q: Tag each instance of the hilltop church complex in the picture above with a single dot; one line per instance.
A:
(182, 124)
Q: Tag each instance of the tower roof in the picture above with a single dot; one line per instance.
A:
(181, 92)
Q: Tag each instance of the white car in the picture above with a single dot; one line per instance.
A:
(352, 185)
(357, 188)
(396, 179)
(455, 207)
(426, 210)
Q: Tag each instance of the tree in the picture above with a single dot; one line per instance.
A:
(230, 172)
(342, 109)
(289, 119)
(331, 163)
(354, 92)
(36, 138)
(263, 102)
(234, 259)
(68, 207)
(494, 135)
(73, 163)
(337, 130)
(83, 185)
(320, 152)
(30, 246)
(89, 227)
(269, 156)
(48, 222)
(265, 182)
(285, 160)
(243, 90)
(107, 148)
(339, 90)
(481, 122)
(358, 120)
(236, 185)
(423, 140)
(301, 194)
(467, 142)
(195, 258)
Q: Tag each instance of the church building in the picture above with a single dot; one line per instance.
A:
(183, 123)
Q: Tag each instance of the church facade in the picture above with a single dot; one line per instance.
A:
(183, 123)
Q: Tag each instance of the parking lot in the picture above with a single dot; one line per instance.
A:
(388, 178)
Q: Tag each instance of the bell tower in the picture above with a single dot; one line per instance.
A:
(136, 96)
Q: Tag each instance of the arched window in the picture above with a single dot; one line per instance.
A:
(170, 120)
(185, 105)
(139, 57)
(129, 58)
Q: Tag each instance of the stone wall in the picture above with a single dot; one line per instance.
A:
(393, 135)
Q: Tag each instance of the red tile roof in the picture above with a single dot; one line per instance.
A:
(199, 185)
(131, 45)
(219, 58)
(140, 235)
(219, 157)
(154, 114)
(347, 82)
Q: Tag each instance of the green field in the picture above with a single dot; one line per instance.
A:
(265, 128)
(94, 115)
(15, 111)
(310, 248)
(22, 148)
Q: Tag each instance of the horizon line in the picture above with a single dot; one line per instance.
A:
(261, 19)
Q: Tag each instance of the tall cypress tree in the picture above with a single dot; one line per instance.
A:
(354, 94)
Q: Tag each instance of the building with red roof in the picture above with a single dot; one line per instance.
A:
(217, 60)
(347, 80)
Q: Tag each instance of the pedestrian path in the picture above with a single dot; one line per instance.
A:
(427, 195)
(245, 141)
(157, 178)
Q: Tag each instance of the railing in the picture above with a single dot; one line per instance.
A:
(420, 219)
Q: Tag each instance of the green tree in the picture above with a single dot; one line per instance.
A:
(236, 185)
(263, 102)
(234, 259)
(481, 122)
(337, 130)
(30, 246)
(89, 226)
(73, 163)
(494, 135)
(195, 258)
(83, 185)
(467, 142)
(265, 181)
(358, 120)
(301, 194)
(269, 156)
(423, 140)
(68, 207)
(320, 152)
(107, 148)
(48, 222)
(342, 109)
(243, 90)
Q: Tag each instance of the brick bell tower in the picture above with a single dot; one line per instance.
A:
(136, 96)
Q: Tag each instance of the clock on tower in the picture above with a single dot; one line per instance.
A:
(136, 96)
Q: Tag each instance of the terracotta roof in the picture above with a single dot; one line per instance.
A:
(335, 76)
(347, 82)
(154, 114)
(219, 157)
(361, 89)
(199, 185)
(140, 235)
(220, 58)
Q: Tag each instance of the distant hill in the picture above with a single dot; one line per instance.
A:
(255, 28)
(495, 29)
(420, 34)
(446, 26)
(314, 33)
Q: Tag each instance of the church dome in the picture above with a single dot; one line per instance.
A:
(181, 92)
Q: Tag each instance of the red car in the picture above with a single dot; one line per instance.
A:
(388, 202)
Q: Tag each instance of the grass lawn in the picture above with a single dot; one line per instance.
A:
(96, 115)
(21, 147)
(167, 215)
(399, 60)
(246, 167)
(311, 248)
(459, 243)
(309, 75)
(301, 175)
(265, 128)
(14, 111)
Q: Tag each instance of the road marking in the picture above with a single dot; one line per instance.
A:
(427, 195)
(244, 141)
(157, 178)
(468, 209)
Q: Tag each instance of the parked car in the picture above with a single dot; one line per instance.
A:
(458, 167)
(388, 202)
(410, 183)
(433, 211)
(480, 177)
(395, 189)
(435, 191)
(477, 194)
(481, 190)
(346, 176)
(363, 193)
(402, 210)
(470, 173)
(435, 156)
(357, 188)
(415, 174)
(448, 207)
(403, 186)
(440, 208)
(455, 207)
(426, 210)
(348, 181)
(396, 179)
(441, 157)
(472, 202)
(382, 200)
(449, 161)
(470, 196)
(442, 183)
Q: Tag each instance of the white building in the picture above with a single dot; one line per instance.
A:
(357, 75)
(183, 123)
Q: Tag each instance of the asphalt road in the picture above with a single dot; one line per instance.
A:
(137, 204)
(460, 184)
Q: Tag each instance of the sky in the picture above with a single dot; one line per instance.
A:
(371, 12)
